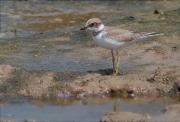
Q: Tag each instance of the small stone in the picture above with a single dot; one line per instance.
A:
(156, 12)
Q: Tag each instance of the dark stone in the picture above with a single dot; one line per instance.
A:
(156, 12)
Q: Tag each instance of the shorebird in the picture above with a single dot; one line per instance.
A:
(113, 38)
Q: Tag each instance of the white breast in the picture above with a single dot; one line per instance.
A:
(106, 42)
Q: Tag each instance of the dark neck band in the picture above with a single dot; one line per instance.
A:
(96, 33)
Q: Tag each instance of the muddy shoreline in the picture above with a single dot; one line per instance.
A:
(170, 114)
(43, 84)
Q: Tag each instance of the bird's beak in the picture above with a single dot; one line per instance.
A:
(83, 28)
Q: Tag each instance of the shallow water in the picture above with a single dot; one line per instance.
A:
(89, 110)
(38, 35)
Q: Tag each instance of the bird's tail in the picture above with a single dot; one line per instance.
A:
(144, 35)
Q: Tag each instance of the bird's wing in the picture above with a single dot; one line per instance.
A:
(128, 36)
(119, 34)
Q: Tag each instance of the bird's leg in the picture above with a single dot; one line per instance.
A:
(117, 63)
(113, 59)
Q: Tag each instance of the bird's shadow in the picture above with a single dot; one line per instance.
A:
(108, 71)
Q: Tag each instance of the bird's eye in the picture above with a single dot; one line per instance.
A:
(91, 25)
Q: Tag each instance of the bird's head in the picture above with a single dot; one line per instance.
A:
(94, 25)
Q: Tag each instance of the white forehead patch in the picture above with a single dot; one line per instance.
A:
(93, 20)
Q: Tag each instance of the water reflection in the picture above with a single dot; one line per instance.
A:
(91, 109)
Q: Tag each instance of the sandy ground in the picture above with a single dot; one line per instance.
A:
(153, 69)
(170, 114)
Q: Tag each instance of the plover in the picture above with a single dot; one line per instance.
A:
(113, 38)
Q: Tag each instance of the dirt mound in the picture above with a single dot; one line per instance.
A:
(37, 84)
(171, 113)
(124, 117)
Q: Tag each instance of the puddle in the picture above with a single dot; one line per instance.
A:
(87, 110)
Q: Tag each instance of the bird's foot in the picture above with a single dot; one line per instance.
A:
(115, 73)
